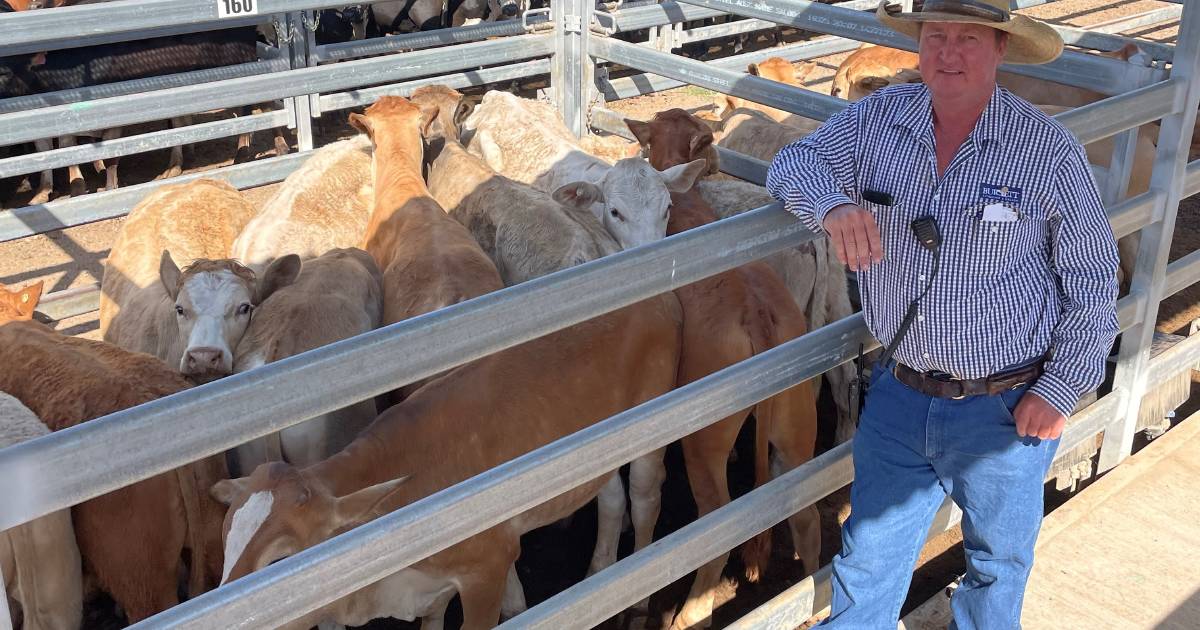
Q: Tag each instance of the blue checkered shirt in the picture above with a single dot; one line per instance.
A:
(1028, 262)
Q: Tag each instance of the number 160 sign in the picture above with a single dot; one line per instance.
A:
(236, 8)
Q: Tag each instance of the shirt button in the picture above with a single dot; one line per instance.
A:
(920, 318)
(921, 277)
(936, 196)
(926, 355)
(995, 230)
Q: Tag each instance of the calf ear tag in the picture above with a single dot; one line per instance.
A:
(999, 213)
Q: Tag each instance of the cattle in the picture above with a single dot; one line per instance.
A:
(872, 67)
(39, 559)
(399, 16)
(428, 259)
(527, 141)
(774, 69)
(515, 401)
(16, 305)
(67, 381)
(751, 132)
(728, 318)
(336, 296)
(191, 319)
(526, 232)
(323, 205)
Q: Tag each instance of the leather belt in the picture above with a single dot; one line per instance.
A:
(947, 387)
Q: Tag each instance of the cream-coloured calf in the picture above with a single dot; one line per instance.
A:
(336, 295)
(39, 559)
(775, 69)
(324, 205)
(527, 141)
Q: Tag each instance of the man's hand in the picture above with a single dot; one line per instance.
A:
(855, 236)
(1036, 418)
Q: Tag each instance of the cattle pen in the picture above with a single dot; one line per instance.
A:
(576, 44)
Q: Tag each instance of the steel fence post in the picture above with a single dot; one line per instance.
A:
(1149, 276)
(572, 74)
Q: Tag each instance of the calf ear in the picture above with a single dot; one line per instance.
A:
(682, 177)
(168, 273)
(363, 124)
(641, 131)
(369, 503)
(280, 273)
(27, 300)
(466, 106)
(804, 71)
(578, 194)
(228, 490)
(427, 120)
(753, 69)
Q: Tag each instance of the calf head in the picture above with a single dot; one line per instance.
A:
(634, 198)
(279, 511)
(213, 302)
(445, 106)
(396, 126)
(675, 137)
(18, 305)
(863, 86)
(507, 9)
(774, 69)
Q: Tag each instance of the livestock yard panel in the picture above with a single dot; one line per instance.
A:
(132, 445)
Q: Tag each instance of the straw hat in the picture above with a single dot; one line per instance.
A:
(1029, 41)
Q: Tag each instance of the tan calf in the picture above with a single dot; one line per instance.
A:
(476, 417)
(324, 205)
(39, 559)
(67, 381)
(191, 320)
(873, 67)
(728, 318)
(775, 69)
(18, 305)
(335, 296)
(753, 133)
(525, 231)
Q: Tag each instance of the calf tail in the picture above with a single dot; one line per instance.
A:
(194, 521)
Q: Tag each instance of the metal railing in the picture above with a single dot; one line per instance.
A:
(128, 446)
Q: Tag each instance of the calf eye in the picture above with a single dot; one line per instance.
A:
(244, 309)
(615, 214)
(179, 310)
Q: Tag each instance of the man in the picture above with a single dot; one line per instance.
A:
(1014, 308)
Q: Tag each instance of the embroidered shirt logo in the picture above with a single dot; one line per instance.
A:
(1007, 194)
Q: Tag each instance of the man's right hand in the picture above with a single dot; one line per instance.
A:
(855, 236)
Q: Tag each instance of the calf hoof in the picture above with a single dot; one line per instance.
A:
(42, 196)
(78, 187)
(281, 147)
(243, 155)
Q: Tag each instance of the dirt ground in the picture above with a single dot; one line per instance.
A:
(557, 556)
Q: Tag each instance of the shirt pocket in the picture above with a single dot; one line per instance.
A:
(997, 245)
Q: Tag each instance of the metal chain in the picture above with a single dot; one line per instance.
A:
(282, 35)
(311, 24)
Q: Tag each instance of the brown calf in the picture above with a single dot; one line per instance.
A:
(728, 318)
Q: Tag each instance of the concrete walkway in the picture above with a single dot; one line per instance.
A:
(1124, 553)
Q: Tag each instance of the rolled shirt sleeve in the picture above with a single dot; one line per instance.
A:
(811, 176)
(1083, 255)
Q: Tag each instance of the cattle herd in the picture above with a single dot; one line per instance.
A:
(439, 200)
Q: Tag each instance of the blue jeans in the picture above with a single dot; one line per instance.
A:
(912, 450)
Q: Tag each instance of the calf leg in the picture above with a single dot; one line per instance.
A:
(705, 454)
(482, 592)
(609, 513)
(514, 596)
(110, 164)
(793, 431)
(646, 476)
(46, 182)
(175, 165)
(74, 173)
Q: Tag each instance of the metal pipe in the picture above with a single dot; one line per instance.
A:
(343, 564)
(1093, 72)
(60, 305)
(1191, 182)
(56, 215)
(136, 108)
(1182, 273)
(130, 445)
(130, 145)
(1115, 114)
(510, 72)
(1134, 213)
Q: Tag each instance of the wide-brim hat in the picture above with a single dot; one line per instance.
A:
(1029, 41)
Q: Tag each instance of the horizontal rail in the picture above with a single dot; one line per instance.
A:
(640, 84)
(1134, 213)
(366, 96)
(1139, 20)
(57, 215)
(1182, 273)
(136, 108)
(424, 39)
(132, 445)
(1099, 38)
(1093, 72)
(1191, 177)
(130, 145)
(58, 28)
(1115, 114)
(136, 86)
(786, 97)
(98, 39)
(61, 305)
(343, 564)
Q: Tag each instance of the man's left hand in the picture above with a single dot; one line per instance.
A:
(1036, 418)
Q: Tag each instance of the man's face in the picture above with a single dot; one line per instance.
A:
(960, 60)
